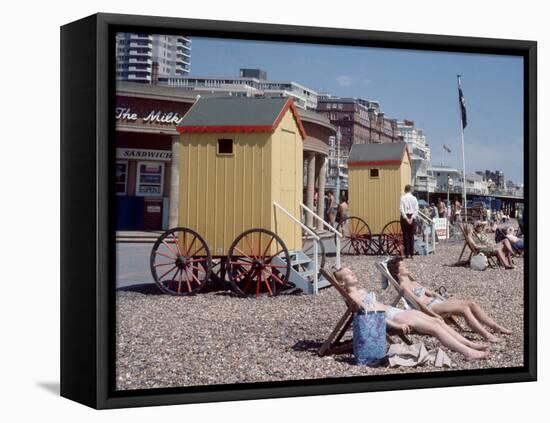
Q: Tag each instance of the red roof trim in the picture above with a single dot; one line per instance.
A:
(226, 128)
(408, 154)
(376, 163)
(290, 104)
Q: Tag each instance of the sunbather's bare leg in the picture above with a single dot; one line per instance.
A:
(424, 324)
(470, 344)
(485, 319)
(465, 309)
(507, 247)
(502, 258)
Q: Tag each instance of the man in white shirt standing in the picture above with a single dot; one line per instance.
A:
(408, 206)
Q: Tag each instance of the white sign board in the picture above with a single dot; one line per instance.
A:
(440, 224)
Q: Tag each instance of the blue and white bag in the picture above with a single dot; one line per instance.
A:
(369, 337)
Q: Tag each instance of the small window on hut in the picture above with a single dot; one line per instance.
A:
(225, 147)
(374, 173)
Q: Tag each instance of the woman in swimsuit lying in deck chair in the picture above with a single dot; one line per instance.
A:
(412, 320)
(432, 303)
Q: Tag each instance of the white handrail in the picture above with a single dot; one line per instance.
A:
(425, 217)
(315, 247)
(430, 222)
(330, 228)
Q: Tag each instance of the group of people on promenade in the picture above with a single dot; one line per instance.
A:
(504, 248)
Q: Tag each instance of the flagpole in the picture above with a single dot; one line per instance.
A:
(463, 159)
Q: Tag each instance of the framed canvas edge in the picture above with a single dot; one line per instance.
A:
(103, 338)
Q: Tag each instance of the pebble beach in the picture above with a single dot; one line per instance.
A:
(216, 337)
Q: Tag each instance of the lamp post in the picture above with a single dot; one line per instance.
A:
(338, 138)
(449, 185)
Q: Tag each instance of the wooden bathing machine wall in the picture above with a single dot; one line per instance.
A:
(223, 195)
(376, 198)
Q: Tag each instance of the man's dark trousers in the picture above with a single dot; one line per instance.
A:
(408, 236)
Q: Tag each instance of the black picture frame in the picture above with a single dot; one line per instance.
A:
(87, 158)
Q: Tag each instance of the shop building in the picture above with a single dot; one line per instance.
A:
(147, 154)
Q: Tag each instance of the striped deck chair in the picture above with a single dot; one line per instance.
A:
(469, 243)
(410, 301)
(334, 343)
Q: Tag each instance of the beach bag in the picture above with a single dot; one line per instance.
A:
(479, 262)
(369, 337)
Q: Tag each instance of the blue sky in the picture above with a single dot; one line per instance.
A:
(408, 84)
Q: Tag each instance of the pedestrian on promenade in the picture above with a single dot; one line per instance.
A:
(342, 213)
(441, 209)
(458, 210)
(408, 206)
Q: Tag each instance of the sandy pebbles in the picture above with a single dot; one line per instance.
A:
(218, 338)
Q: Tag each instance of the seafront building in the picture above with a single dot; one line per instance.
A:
(249, 83)
(420, 155)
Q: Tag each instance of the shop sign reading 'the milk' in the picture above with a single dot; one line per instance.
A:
(155, 116)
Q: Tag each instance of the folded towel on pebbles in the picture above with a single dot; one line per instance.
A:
(416, 355)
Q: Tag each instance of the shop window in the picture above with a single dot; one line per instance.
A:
(150, 178)
(225, 147)
(121, 177)
(374, 173)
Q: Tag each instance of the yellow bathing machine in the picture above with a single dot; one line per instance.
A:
(240, 160)
(378, 174)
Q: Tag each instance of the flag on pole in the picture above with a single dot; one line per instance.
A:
(462, 105)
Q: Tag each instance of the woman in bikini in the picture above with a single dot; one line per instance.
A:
(407, 321)
(434, 305)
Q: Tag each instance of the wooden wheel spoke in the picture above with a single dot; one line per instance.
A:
(163, 264)
(279, 280)
(277, 253)
(195, 253)
(246, 272)
(165, 255)
(178, 272)
(187, 279)
(201, 260)
(169, 247)
(241, 263)
(243, 253)
(249, 246)
(268, 245)
(164, 274)
(259, 244)
(200, 269)
(363, 225)
(348, 242)
(191, 247)
(176, 242)
(266, 283)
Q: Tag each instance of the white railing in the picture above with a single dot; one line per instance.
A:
(330, 228)
(313, 235)
(428, 221)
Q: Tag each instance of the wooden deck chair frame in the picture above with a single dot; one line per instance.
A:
(334, 343)
(468, 242)
(409, 300)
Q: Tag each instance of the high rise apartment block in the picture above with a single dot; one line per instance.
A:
(147, 57)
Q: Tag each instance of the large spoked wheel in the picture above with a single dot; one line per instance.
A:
(180, 262)
(392, 239)
(357, 236)
(258, 263)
